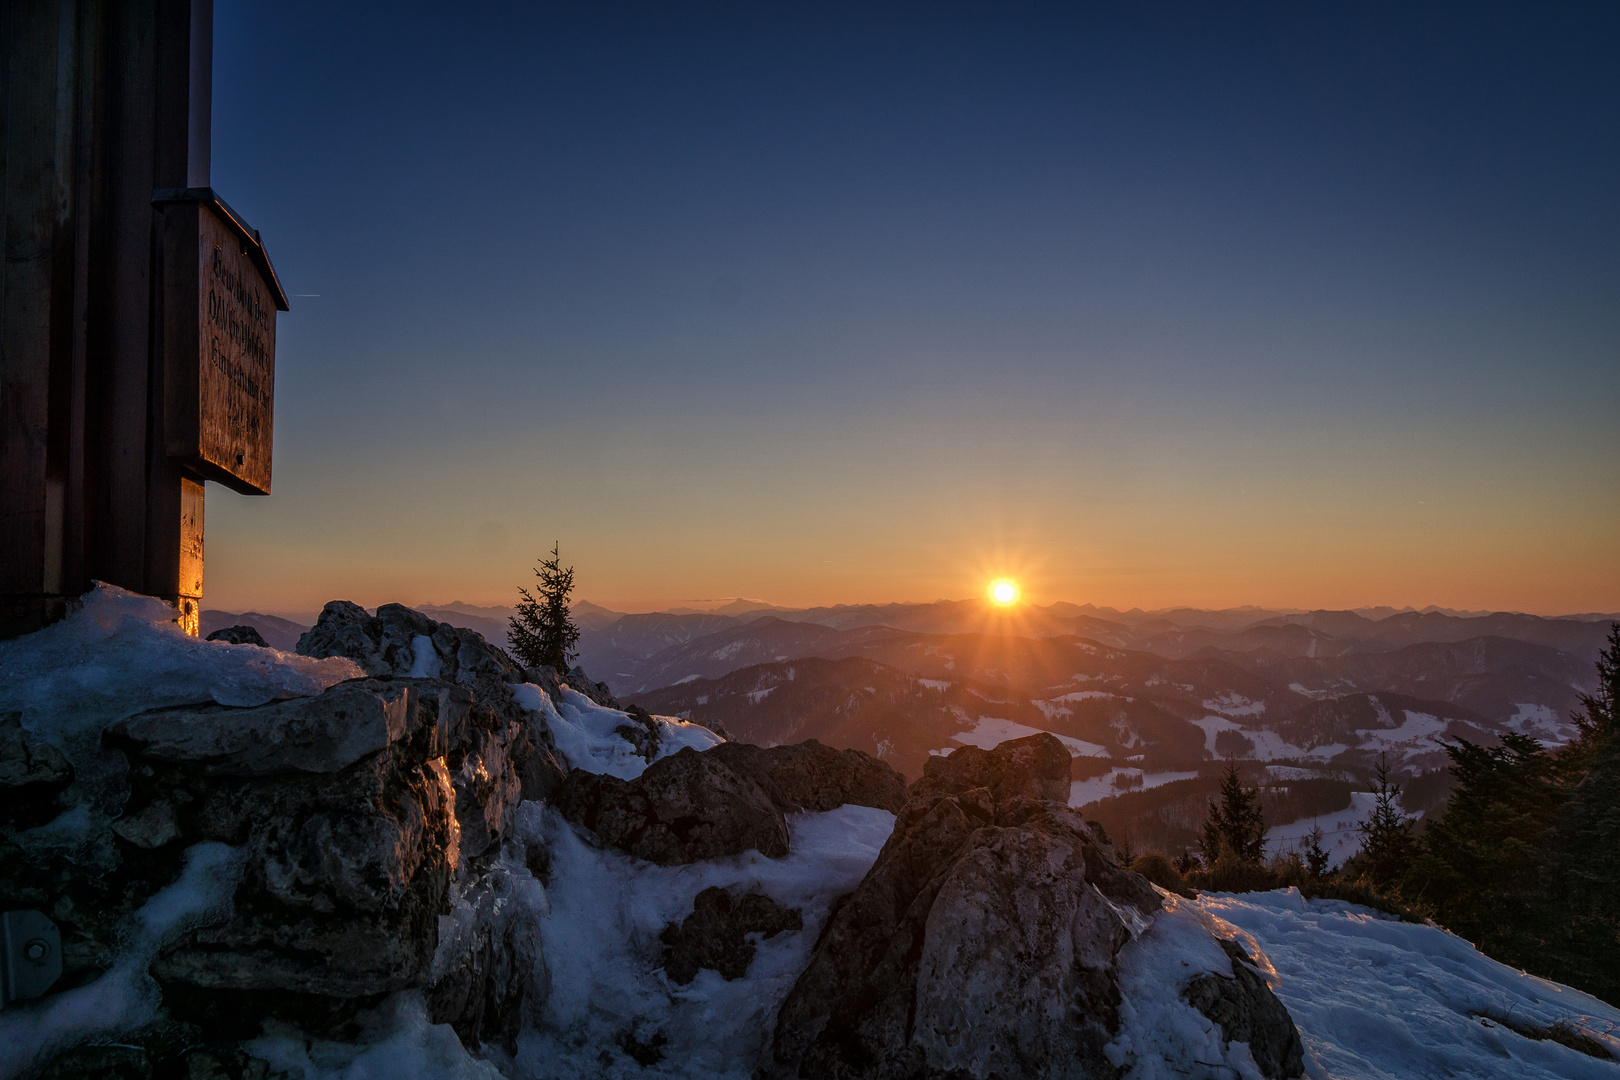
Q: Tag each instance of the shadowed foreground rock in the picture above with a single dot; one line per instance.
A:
(724, 801)
(983, 941)
(715, 934)
(1246, 1011)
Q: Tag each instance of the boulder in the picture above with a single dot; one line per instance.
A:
(596, 691)
(240, 635)
(683, 808)
(1246, 1011)
(715, 934)
(1036, 767)
(810, 776)
(982, 942)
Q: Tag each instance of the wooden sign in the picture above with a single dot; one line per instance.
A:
(219, 331)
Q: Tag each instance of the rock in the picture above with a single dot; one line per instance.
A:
(686, 807)
(982, 942)
(1036, 767)
(641, 732)
(32, 772)
(810, 776)
(240, 635)
(1246, 1011)
(713, 936)
(486, 976)
(356, 809)
(596, 691)
(323, 734)
(398, 641)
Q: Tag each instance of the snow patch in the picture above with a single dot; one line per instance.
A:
(990, 732)
(586, 734)
(601, 945)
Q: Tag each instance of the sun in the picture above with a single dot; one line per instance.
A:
(1004, 592)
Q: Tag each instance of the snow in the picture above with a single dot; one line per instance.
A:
(1082, 792)
(425, 662)
(1417, 734)
(990, 732)
(124, 997)
(117, 654)
(1379, 999)
(398, 1044)
(1268, 745)
(686, 679)
(1541, 722)
(1341, 835)
(586, 734)
(1235, 704)
(757, 696)
(935, 684)
(601, 946)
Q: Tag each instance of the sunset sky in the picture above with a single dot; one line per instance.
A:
(817, 304)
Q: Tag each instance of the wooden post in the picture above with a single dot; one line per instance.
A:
(118, 396)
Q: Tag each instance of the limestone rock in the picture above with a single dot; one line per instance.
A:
(810, 776)
(322, 734)
(1036, 767)
(240, 635)
(641, 732)
(596, 691)
(401, 642)
(32, 772)
(981, 943)
(686, 807)
(714, 935)
(1246, 1011)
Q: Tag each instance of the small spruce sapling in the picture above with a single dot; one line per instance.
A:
(1387, 841)
(1236, 827)
(543, 631)
(1316, 856)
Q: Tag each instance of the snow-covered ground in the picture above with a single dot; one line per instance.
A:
(1379, 999)
(990, 732)
(1082, 792)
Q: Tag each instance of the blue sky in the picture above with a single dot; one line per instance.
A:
(828, 303)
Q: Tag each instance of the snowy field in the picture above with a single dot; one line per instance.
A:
(1082, 792)
(990, 732)
(1341, 833)
(1379, 999)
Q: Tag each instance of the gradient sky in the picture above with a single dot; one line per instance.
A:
(819, 303)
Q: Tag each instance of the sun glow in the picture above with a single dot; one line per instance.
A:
(1004, 592)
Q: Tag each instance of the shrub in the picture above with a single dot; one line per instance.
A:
(1159, 870)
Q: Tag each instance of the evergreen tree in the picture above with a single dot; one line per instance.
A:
(1588, 863)
(543, 631)
(1387, 843)
(1316, 856)
(1236, 826)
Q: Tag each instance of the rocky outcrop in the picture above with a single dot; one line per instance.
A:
(1036, 767)
(728, 799)
(1246, 1011)
(715, 934)
(686, 807)
(399, 641)
(981, 943)
(353, 827)
(810, 776)
(240, 635)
